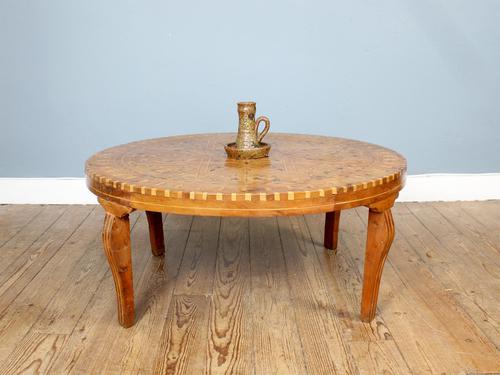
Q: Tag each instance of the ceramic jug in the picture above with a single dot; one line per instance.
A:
(248, 129)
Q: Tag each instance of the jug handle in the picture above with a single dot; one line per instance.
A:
(265, 130)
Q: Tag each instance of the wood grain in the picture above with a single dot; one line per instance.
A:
(86, 346)
(155, 287)
(183, 338)
(381, 357)
(331, 233)
(230, 322)
(276, 339)
(280, 302)
(13, 220)
(191, 175)
(378, 242)
(116, 243)
(470, 338)
(17, 252)
(343, 278)
(156, 238)
(319, 328)
(35, 356)
(439, 310)
(22, 303)
(410, 321)
(198, 264)
(82, 280)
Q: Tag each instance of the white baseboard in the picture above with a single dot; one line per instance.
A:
(45, 191)
(419, 188)
(451, 187)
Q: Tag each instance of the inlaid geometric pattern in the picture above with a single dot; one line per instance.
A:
(195, 167)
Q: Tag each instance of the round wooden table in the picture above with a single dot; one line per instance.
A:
(191, 175)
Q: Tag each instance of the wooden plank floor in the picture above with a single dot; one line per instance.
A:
(251, 296)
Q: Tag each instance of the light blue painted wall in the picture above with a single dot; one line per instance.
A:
(419, 76)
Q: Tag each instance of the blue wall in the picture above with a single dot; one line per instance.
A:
(420, 76)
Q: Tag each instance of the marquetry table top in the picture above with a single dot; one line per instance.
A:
(191, 174)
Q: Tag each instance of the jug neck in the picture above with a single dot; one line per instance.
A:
(246, 111)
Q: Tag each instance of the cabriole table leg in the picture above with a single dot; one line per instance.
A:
(379, 240)
(332, 220)
(155, 223)
(116, 243)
